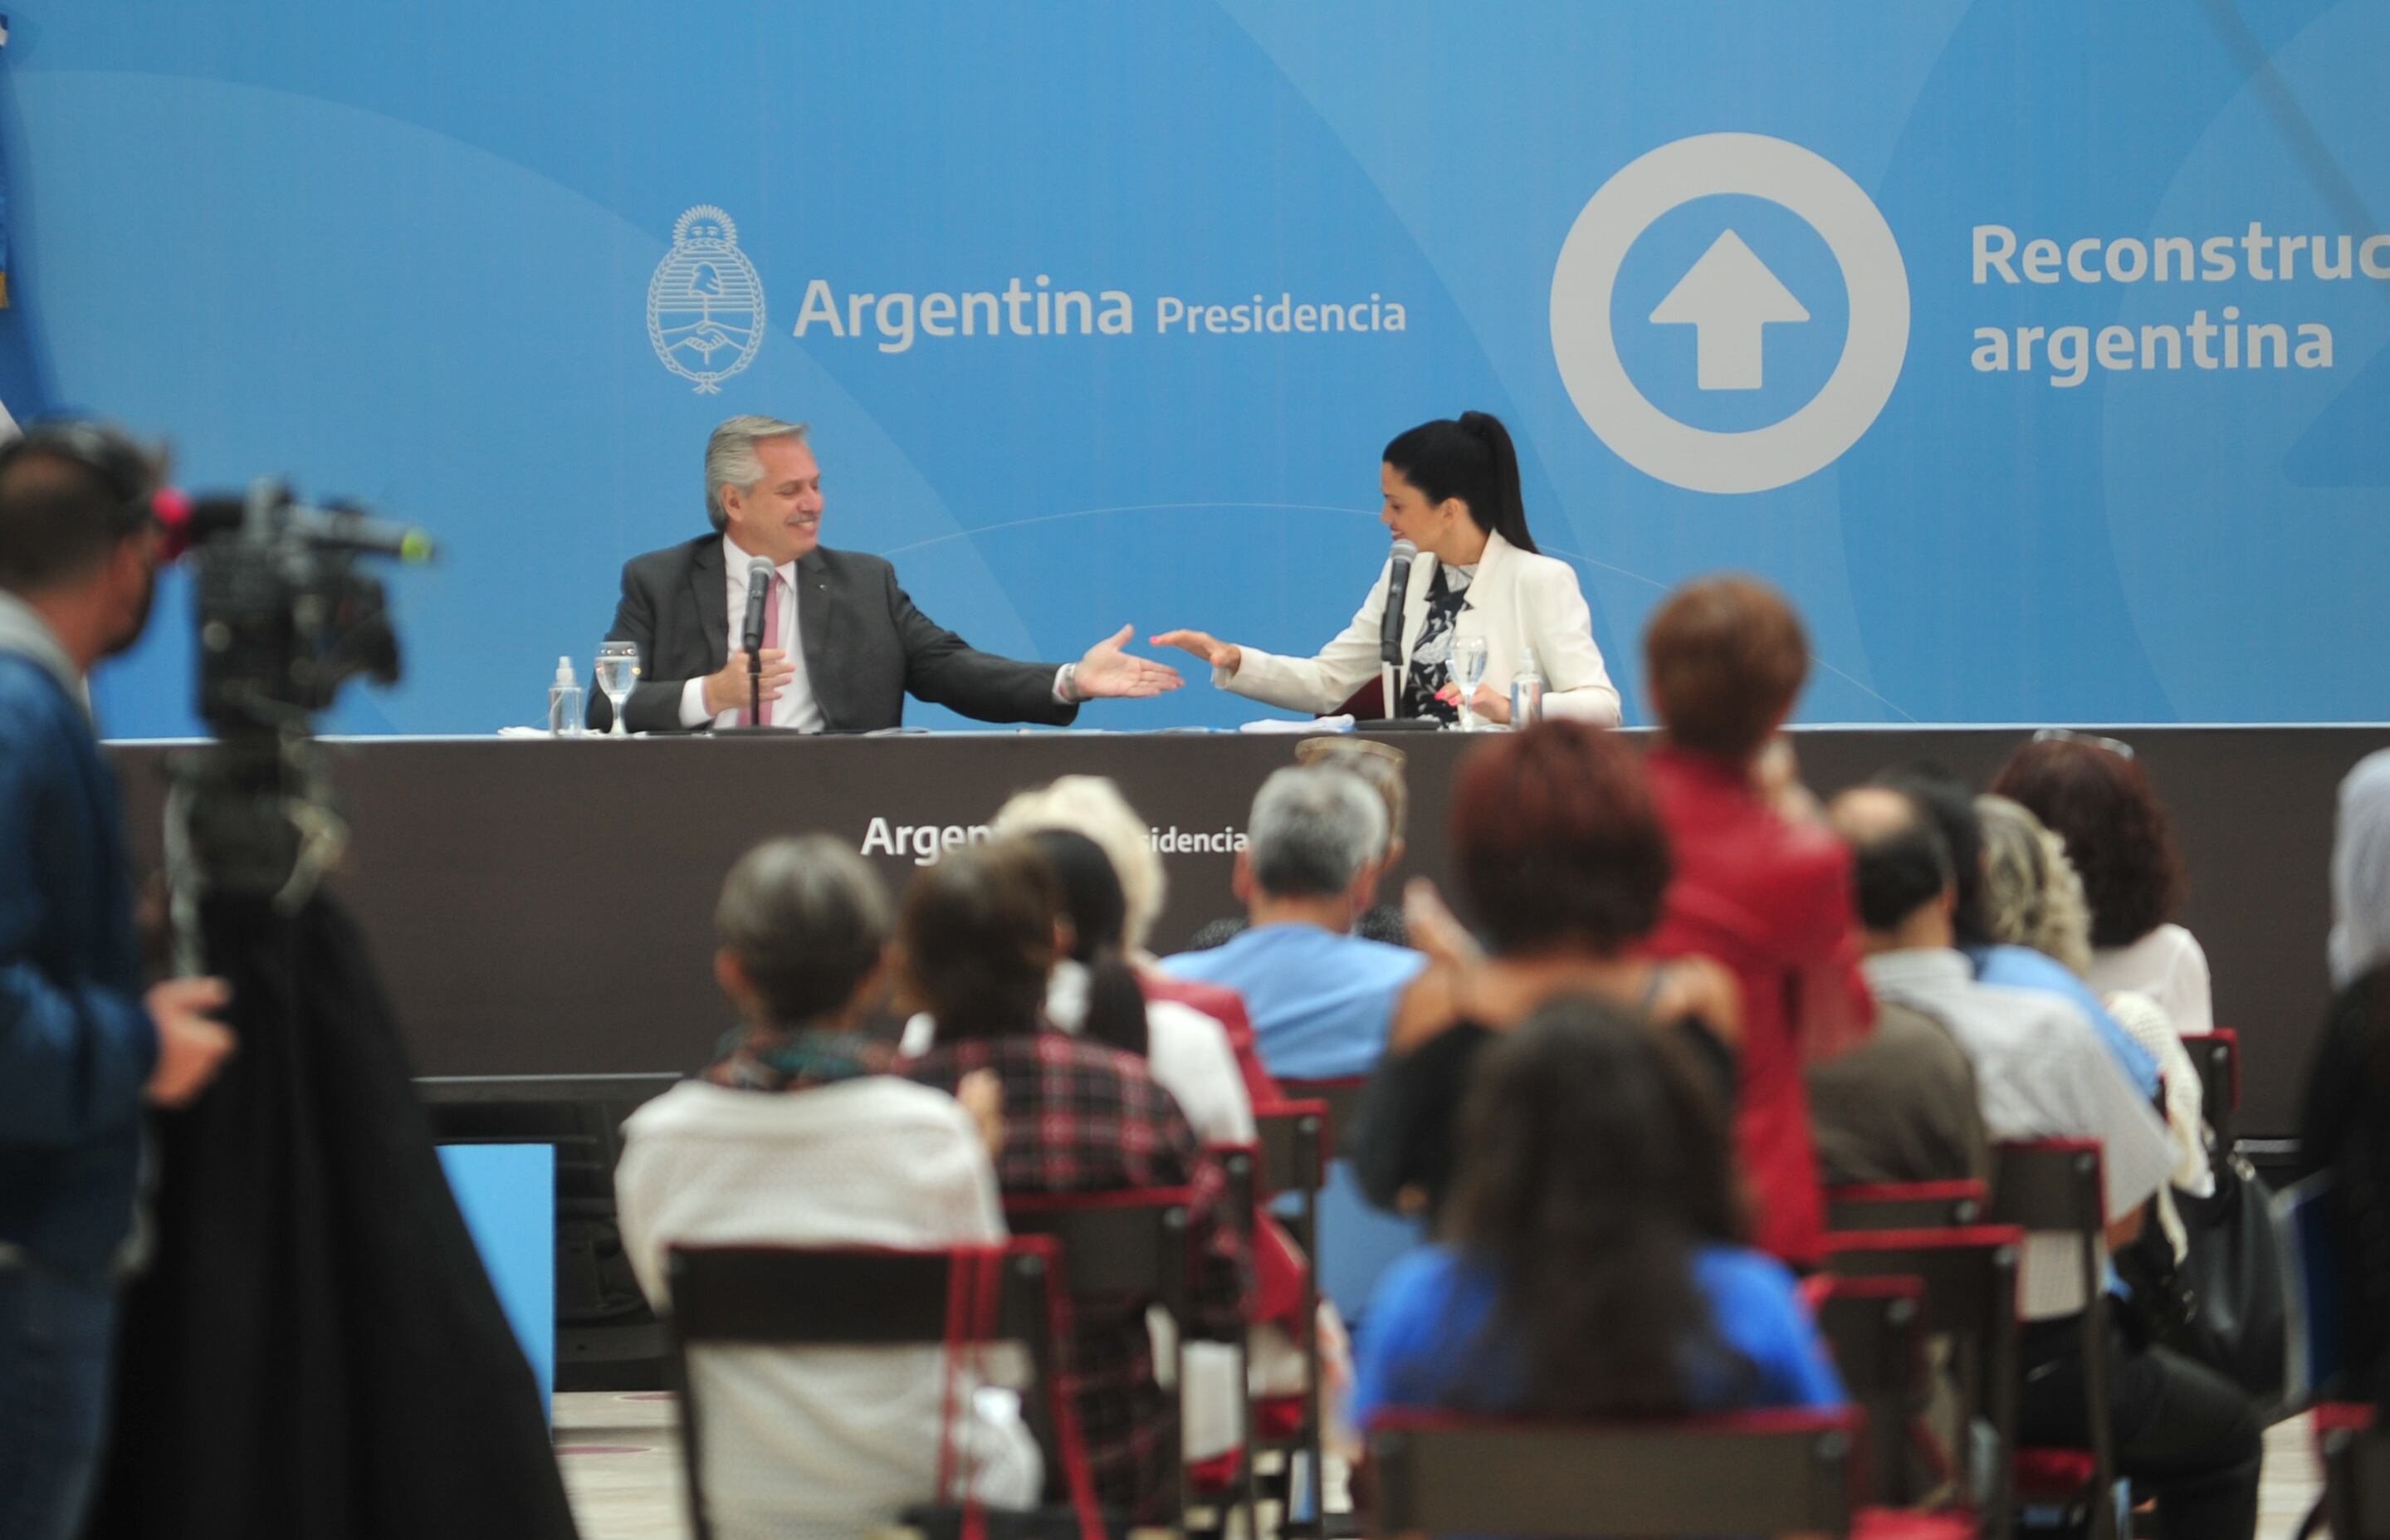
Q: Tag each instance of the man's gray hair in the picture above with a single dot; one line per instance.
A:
(808, 918)
(730, 458)
(1313, 830)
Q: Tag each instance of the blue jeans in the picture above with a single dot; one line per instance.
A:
(55, 1336)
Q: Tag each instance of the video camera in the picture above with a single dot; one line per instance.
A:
(284, 619)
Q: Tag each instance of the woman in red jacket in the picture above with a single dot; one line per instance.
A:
(1761, 884)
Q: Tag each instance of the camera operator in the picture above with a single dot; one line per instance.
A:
(82, 1046)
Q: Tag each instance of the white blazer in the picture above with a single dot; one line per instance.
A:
(1519, 602)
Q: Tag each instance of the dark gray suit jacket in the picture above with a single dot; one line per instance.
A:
(865, 647)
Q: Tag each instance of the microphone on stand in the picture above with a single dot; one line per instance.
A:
(1390, 626)
(759, 592)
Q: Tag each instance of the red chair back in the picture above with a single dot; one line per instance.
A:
(1969, 1276)
(1875, 1327)
(2055, 1185)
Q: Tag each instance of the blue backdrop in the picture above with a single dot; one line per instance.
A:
(406, 252)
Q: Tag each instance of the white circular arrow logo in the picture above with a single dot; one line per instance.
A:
(1729, 297)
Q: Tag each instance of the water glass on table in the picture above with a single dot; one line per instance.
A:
(1469, 672)
(618, 670)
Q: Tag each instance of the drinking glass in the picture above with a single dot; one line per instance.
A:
(1469, 672)
(618, 670)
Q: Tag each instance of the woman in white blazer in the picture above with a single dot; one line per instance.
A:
(1451, 488)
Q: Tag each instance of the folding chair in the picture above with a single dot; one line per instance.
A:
(2218, 1056)
(1905, 1205)
(1875, 1327)
(2356, 1471)
(1294, 1164)
(1340, 1097)
(2055, 1185)
(1124, 1245)
(1969, 1276)
(1756, 1473)
(1236, 1475)
(796, 1297)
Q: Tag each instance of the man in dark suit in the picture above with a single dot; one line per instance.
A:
(860, 645)
(82, 1045)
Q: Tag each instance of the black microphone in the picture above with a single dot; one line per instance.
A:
(1390, 625)
(760, 573)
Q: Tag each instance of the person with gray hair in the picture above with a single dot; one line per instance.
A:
(1320, 997)
(842, 645)
(799, 1133)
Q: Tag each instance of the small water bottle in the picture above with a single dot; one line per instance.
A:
(1526, 693)
(564, 702)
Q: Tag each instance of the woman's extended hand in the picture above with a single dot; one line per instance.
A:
(1203, 645)
(1492, 704)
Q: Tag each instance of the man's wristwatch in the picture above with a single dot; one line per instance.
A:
(1066, 684)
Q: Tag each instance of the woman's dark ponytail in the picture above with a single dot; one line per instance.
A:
(1098, 915)
(1116, 1005)
(1470, 457)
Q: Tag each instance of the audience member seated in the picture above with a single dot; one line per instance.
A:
(1591, 1266)
(1901, 1106)
(980, 937)
(1093, 806)
(798, 1136)
(1558, 855)
(2345, 1119)
(2032, 897)
(1949, 802)
(1321, 996)
(1094, 995)
(2121, 839)
(2181, 1430)
(1760, 885)
(1381, 766)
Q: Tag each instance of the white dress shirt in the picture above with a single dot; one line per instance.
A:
(2042, 1073)
(1524, 605)
(795, 706)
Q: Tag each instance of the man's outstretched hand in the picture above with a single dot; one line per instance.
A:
(1108, 673)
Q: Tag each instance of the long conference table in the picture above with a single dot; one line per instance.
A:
(542, 909)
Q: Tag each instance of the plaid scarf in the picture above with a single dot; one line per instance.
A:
(795, 1058)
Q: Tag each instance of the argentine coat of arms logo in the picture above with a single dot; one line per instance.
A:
(706, 304)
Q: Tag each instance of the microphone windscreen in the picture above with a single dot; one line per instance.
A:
(1405, 550)
(759, 568)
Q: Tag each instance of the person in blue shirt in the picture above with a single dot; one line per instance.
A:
(83, 1045)
(1319, 997)
(1591, 1265)
(1951, 805)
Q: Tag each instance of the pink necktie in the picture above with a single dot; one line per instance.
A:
(771, 639)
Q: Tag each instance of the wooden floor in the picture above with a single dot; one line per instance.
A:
(621, 1463)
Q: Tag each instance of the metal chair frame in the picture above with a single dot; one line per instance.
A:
(2055, 1185)
(797, 1297)
(1134, 1244)
(1969, 1278)
(1293, 1149)
(1757, 1473)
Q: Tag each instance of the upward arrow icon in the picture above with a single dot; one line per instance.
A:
(1727, 297)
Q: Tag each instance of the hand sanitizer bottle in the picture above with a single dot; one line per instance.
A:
(564, 702)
